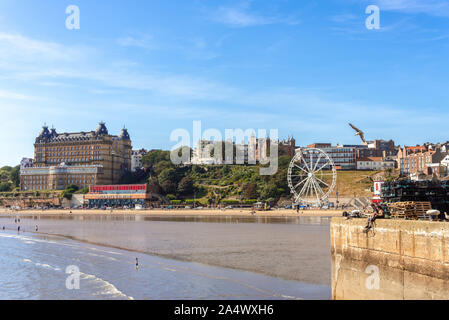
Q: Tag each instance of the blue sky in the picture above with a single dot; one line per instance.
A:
(304, 67)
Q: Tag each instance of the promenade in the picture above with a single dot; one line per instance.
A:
(185, 212)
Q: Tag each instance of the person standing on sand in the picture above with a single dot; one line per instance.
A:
(137, 264)
(37, 228)
(18, 229)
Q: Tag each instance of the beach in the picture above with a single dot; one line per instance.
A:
(184, 212)
(34, 267)
(280, 244)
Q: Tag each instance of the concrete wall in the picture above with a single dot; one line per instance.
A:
(396, 260)
(77, 200)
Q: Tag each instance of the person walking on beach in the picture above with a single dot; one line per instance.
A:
(137, 264)
(18, 229)
(37, 229)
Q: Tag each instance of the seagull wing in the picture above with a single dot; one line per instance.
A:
(362, 136)
(355, 128)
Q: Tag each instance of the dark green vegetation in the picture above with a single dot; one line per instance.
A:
(210, 184)
(71, 189)
(9, 178)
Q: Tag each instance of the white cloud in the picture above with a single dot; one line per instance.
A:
(431, 7)
(345, 17)
(14, 96)
(240, 16)
(22, 49)
(142, 42)
(28, 60)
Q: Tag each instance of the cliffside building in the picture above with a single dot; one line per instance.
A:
(80, 158)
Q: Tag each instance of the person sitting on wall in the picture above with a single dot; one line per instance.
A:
(378, 213)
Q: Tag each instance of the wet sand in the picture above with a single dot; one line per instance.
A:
(292, 248)
(187, 212)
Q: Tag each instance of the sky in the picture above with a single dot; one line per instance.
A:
(306, 68)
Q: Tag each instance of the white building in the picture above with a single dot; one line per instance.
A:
(205, 154)
(374, 163)
(136, 159)
(445, 161)
(343, 156)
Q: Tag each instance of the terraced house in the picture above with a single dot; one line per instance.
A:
(80, 158)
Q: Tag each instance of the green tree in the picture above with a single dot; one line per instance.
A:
(185, 186)
(250, 191)
(5, 187)
(225, 170)
(169, 175)
(82, 191)
(15, 176)
(69, 191)
(72, 188)
(161, 166)
(270, 190)
(198, 170)
(284, 162)
(154, 157)
(168, 187)
(153, 186)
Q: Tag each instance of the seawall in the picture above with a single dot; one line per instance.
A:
(398, 259)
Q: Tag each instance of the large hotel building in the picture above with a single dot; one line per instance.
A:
(81, 158)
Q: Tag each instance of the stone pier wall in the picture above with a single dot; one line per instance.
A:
(396, 260)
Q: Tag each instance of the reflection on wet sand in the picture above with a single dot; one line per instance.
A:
(292, 248)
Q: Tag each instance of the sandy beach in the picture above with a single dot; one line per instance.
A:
(280, 243)
(186, 212)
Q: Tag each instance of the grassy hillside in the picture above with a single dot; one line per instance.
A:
(359, 183)
(232, 182)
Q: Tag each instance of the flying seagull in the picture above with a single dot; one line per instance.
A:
(359, 132)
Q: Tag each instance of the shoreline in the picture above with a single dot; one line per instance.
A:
(293, 247)
(181, 212)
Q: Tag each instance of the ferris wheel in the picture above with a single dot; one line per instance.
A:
(311, 176)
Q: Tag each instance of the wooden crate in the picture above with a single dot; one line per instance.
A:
(409, 209)
(422, 208)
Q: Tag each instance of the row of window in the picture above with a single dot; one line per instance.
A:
(71, 160)
(77, 153)
(70, 148)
